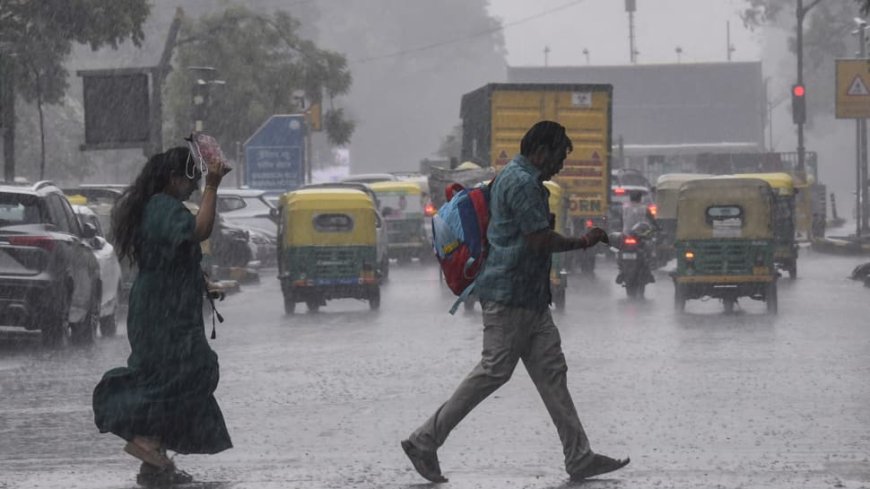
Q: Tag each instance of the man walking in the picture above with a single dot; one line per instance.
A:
(514, 291)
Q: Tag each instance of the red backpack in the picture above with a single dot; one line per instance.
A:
(459, 237)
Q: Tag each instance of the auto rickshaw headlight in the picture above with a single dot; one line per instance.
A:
(690, 255)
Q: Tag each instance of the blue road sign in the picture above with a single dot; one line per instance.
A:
(275, 154)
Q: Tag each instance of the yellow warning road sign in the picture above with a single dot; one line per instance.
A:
(853, 89)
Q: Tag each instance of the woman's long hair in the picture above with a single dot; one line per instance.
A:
(154, 177)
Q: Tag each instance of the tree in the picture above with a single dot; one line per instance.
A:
(35, 40)
(411, 62)
(263, 60)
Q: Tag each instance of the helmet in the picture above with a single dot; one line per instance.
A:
(642, 229)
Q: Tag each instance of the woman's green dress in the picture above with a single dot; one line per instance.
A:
(167, 389)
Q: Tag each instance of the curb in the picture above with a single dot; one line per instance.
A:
(840, 246)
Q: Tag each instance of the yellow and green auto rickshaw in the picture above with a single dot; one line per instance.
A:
(558, 202)
(725, 242)
(667, 190)
(785, 253)
(401, 204)
(327, 248)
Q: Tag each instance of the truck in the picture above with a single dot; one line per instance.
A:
(496, 116)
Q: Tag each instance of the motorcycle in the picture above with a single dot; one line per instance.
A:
(635, 255)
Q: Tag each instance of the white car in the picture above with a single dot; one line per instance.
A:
(110, 270)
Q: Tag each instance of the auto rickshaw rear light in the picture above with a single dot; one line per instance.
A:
(589, 224)
(619, 191)
(653, 209)
(430, 209)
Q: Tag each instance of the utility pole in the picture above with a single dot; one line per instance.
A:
(7, 115)
(546, 55)
(586, 53)
(679, 52)
(862, 210)
(630, 7)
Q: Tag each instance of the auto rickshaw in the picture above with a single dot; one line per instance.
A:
(401, 204)
(725, 242)
(327, 247)
(784, 219)
(558, 202)
(666, 191)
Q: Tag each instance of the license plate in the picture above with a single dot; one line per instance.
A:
(629, 256)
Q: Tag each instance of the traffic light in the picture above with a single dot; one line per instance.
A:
(799, 104)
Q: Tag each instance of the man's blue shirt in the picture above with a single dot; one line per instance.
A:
(514, 274)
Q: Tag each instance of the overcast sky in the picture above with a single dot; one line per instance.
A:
(601, 26)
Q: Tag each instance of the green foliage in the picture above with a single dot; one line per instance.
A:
(263, 60)
(38, 35)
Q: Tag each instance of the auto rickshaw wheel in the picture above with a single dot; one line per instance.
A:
(375, 299)
(792, 270)
(770, 296)
(313, 304)
(289, 304)
(385, 269)
(679, 298)
(729, 303)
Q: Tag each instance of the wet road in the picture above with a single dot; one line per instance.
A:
(701, 399)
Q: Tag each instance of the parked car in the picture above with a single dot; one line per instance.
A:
(250, 209)
(49, 275)
(110, 269)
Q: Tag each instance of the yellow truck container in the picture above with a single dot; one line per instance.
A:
(496, 116)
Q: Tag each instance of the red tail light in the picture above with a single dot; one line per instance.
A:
(44, 242)
(430, 209)
(653, 209)
(619, 191)
(589, 223)
(630, 241)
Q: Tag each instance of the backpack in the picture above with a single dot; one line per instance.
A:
(459, 237)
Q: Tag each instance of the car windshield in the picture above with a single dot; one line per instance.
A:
(19, 209)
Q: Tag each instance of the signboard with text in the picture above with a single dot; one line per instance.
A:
(275, 154)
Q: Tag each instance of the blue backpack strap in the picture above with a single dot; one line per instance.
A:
(462, 298)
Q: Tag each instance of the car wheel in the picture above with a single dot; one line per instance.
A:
(84, 332)
(55, 322)
(108, 325)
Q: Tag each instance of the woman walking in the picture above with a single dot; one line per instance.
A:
(163, 399)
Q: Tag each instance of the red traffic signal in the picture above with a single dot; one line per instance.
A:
(798, 104)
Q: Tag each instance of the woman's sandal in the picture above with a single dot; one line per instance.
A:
(151, 476)
(150, 457)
